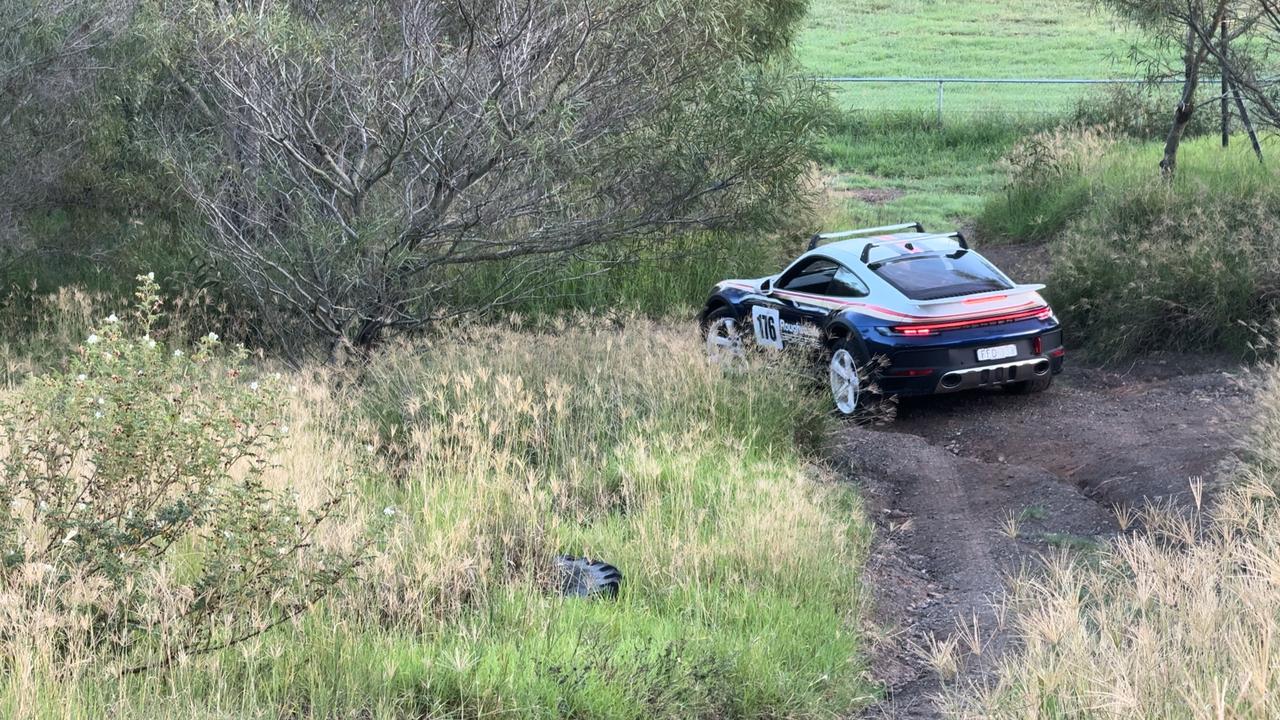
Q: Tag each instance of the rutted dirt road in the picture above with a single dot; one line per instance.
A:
(948, 480)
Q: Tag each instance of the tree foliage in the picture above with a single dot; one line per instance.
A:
(355, 162)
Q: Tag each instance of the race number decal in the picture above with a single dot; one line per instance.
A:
(767, 326)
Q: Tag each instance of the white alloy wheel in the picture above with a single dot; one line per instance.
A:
(844, 381)
(724, 342)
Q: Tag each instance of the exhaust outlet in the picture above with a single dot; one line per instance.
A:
(951, 380)
(1041, 367)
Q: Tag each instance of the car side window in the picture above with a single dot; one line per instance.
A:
(845, 284)
(813, 277)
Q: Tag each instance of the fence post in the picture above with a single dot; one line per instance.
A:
(939, 103)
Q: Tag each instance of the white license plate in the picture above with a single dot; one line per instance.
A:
(998, 352)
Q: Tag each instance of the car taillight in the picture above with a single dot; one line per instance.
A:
(1037, 346)
(910, 372)
(919, 329)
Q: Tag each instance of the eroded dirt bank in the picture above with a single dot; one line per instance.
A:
(967, 489)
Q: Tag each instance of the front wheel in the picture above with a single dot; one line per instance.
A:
(724, 340)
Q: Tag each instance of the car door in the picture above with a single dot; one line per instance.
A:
(796, 306)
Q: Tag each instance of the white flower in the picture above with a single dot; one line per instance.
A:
(389, 511)
(177, 353)
(253, 385)
(81, 377)
(100, 401)
(151, 343)
(92, 340)
(112, 319)
(368, 448)
(212, 337)
(151, 276)
(97, 414)
(284, 429)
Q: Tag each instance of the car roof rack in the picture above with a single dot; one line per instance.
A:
(862, 232)
(957, 236)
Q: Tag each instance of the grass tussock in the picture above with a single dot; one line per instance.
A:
(1179, 621)
(480, 458)
(1140, 262)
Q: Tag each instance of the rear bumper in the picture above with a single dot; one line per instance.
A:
(997, 374)
(930, 371)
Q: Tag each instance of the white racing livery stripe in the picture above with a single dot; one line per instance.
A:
(1014, 302)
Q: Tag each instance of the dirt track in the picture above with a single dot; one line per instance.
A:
(941, 481)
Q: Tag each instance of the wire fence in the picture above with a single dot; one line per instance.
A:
(976, 95)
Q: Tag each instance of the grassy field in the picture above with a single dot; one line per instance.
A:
(491, 451)
(890, 168)
(971, 38)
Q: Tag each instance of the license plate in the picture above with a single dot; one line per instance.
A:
(998, 352)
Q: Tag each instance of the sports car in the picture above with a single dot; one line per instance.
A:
(894, 311)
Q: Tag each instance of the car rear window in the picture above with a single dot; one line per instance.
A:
(929, 277)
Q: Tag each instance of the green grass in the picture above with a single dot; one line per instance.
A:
(499, 448)
(965, 38)
(888, 168)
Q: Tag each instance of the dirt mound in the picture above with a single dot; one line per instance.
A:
(967, 489)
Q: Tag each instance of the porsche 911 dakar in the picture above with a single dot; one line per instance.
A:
(895, 310)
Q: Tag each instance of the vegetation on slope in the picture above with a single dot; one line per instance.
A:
(1177, 621)
(481, 458)
(1140, 262)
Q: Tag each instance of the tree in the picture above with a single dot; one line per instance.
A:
(360, 162)
(1192, 27)
(50, 58)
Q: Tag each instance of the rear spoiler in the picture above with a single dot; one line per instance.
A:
(957, 236)
(819, 238)
(978, 297)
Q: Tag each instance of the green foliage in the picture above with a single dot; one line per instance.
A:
(1141, 263)
(138, 471)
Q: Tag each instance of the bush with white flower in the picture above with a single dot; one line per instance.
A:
(139, 472)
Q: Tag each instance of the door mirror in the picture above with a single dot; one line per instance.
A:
(766, 287)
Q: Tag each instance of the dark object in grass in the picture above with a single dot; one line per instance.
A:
(583, 577)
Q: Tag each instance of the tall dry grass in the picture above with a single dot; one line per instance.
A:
(1179, 621)
(480, 457)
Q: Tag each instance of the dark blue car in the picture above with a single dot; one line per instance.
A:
(896, 309)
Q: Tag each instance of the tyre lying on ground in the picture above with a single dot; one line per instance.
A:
(893, 311)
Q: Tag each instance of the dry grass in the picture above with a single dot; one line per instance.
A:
(1180, 621)
(486, 454)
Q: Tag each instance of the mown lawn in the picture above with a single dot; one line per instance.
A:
(969, 38)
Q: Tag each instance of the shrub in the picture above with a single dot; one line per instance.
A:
(133, 507)
(1140, 111)
(1048, 183)
(1140, 262)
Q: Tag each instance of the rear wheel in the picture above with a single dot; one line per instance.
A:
(848, 372)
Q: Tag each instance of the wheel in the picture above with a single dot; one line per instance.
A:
(724, 339)
(848, 372)
(1034, 385)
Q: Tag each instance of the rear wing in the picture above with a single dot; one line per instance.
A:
(957, 236)
(820, 238)
(980, 297)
